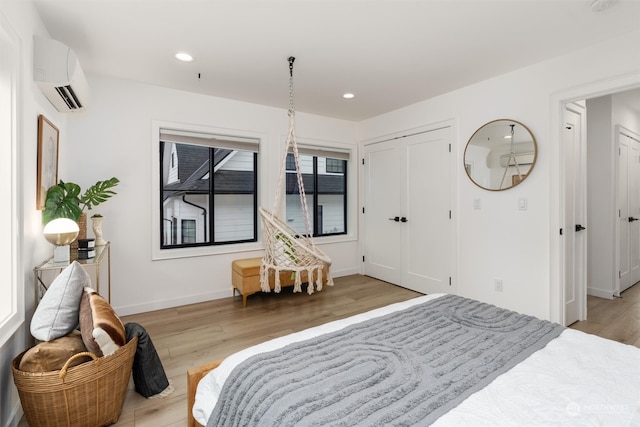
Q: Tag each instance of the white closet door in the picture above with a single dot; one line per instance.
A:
(382, 178)
(427, 204)
(408, 234)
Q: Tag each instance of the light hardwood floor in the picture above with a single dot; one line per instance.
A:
(196, 334)
(617, 319)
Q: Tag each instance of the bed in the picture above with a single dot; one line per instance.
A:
(438, 360)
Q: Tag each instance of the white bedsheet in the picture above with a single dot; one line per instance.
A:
(577, 379)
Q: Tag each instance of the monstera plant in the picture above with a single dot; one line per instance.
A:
(65, 201)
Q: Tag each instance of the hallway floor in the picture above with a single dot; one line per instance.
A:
(617, 319)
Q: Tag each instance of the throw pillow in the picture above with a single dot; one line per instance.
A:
(52, 355)
(102, 330)
(57, 313)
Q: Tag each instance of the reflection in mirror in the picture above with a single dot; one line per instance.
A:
(500, 155)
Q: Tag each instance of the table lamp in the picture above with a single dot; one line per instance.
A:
(61, 232)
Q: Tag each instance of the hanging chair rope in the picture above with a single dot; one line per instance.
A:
(511, 161)
(291, 143)
(285, 248)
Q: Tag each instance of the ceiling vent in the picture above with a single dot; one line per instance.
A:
(57, 72)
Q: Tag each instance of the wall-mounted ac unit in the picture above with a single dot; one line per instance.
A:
(57, 72)
(523, 159)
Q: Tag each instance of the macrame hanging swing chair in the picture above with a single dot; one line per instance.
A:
(286, 250)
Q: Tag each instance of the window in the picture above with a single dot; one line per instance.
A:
(189, 231)
(11, 276)
(291, 164)
(324, 176)
(208, 189)
(335, 166)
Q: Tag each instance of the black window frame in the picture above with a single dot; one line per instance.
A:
(317, 212)
(211, 205)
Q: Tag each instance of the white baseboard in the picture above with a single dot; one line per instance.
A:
(601, 293)
(347, 272)
(194, 299)
(170, 303)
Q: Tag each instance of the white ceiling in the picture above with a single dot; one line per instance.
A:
(390, 53)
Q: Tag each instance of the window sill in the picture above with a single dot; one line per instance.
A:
(165, 254)
(9, 328)
(341, 238)
(162, 254)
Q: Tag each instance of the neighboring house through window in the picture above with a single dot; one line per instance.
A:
(208, 189)
(324, 176)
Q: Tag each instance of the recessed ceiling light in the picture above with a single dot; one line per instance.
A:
(601, 5)
(183, 56)
(348, 96)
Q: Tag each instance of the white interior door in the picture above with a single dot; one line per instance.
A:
(574, 230)
(634, 211)
(408, 230)
(628, 209)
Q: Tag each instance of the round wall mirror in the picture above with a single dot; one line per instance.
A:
(500, 155)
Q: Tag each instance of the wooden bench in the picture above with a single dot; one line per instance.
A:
(245, 277)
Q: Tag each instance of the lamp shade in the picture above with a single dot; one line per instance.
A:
(61, 231)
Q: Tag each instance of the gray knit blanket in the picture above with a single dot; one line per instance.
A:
(405, 368)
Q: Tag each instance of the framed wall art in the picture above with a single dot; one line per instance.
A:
(48, 137)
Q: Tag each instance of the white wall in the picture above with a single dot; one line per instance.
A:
(113, 138)
(500, 241)
(622, 111)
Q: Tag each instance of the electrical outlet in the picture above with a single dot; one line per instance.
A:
(498, 285)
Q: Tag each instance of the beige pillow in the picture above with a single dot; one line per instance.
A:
(102, 330)
(52, 355)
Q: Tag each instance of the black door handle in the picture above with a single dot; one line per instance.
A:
(395, 218)
(631, 219)
(403, 219)
(580, 227)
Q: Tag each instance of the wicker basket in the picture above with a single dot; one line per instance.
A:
(90, 394)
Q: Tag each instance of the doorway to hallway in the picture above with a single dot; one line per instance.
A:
(609, 207)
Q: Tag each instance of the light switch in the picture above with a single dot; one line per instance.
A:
(476, 204)
(522, 204)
